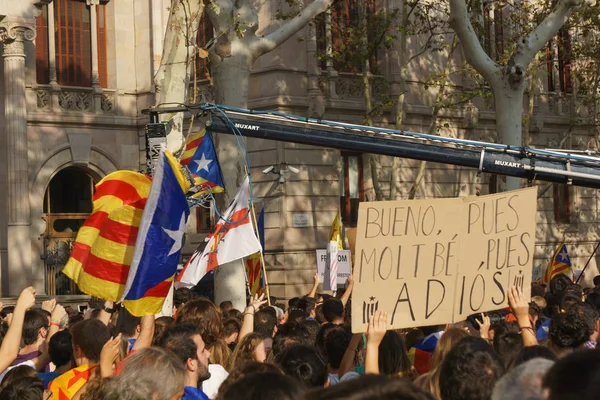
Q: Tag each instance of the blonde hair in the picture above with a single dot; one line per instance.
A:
(244, 351)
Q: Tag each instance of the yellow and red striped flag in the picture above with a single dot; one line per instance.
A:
(65, 386)
(559, 264)
(104, 247)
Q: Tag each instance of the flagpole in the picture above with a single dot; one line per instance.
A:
(588, 262)
(262, 257)
(246, 276)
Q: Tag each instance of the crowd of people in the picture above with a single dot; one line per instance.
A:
(302, 349)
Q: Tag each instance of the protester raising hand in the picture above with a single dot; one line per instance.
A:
(12, 340)
(484, 326)
(49, 305)
(520, 308)
(248, 322)
(375, 333)
(110, 354)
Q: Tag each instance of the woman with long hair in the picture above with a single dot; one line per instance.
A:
(253, 347)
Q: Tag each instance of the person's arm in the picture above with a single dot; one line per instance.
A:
(348, 361)
(313, 291)
(105, 316)
(146, 333)
(348, 292)
(248, 321)
(12, 340)
(520, 308)
(375, 334)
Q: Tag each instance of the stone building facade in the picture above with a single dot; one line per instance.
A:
(72, 105)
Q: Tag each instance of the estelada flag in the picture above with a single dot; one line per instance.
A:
(232, 239)
(335, 232)
(66, 385)
(159, 240)
(253, 264)
(99, 262)
(559, 264)
(201, 159)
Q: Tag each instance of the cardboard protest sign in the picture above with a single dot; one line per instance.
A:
(429, 262)
(496, 252)
(344, 266)
(405, 261)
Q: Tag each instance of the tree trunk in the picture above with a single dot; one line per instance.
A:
(509, 122)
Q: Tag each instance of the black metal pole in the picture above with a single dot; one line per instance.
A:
(588, 262)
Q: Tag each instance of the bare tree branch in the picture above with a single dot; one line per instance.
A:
(265, 44)
(529, 46)
(474, 53)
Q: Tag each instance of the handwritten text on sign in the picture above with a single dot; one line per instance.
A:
(430, 262)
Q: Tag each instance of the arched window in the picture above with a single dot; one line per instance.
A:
(71, 27)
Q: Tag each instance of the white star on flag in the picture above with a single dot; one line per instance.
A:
(563, 255)
(177, 236)
(203, 163)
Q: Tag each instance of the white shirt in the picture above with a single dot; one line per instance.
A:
(217, 375)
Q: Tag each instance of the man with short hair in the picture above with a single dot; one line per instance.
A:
(333, 310)
(88, 338)
(35, 331)
(523, 381)
(185, 341)
(265, 322)
(60, 349)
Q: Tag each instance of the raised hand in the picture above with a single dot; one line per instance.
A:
(377, 327)
(58, 314)
(49, 305)
(518, 305)
(26, 299)
(255, 302)
(110, 354)
(484, 326)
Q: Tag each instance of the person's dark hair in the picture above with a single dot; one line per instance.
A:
(181, 296)
(233, 313)
(413, 337)
(178, 340)
(226, 306)
(95, 313)
(593, 299)
(7, 310)
(35, 320)
(296, 314)
(28, 388)
(371, 387)
(127, 324)
(320, 340)
(588, 313)
(429, 329)
(336, 343)
(333, 309)
(293, 302)
(313, 329)
(161, 324)
(538, 289)
(90, 336)
(558, 283)
(3, 330)
(531, 352)
(470, 371)
(569, 330)
(303, 363)
(308, 304)
(507, 346)
(204, 314)
(231, 326)
(18, 372)
(571, 376)
(248, 368)
(265, 321)
(569, 299)
(574, 288)
(263, 385)
(60, 348)
(597, 280)
(319, 315)
(290, 334)
(75, 319)
(393, 359)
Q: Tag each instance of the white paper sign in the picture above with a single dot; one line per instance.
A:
(344, 266)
